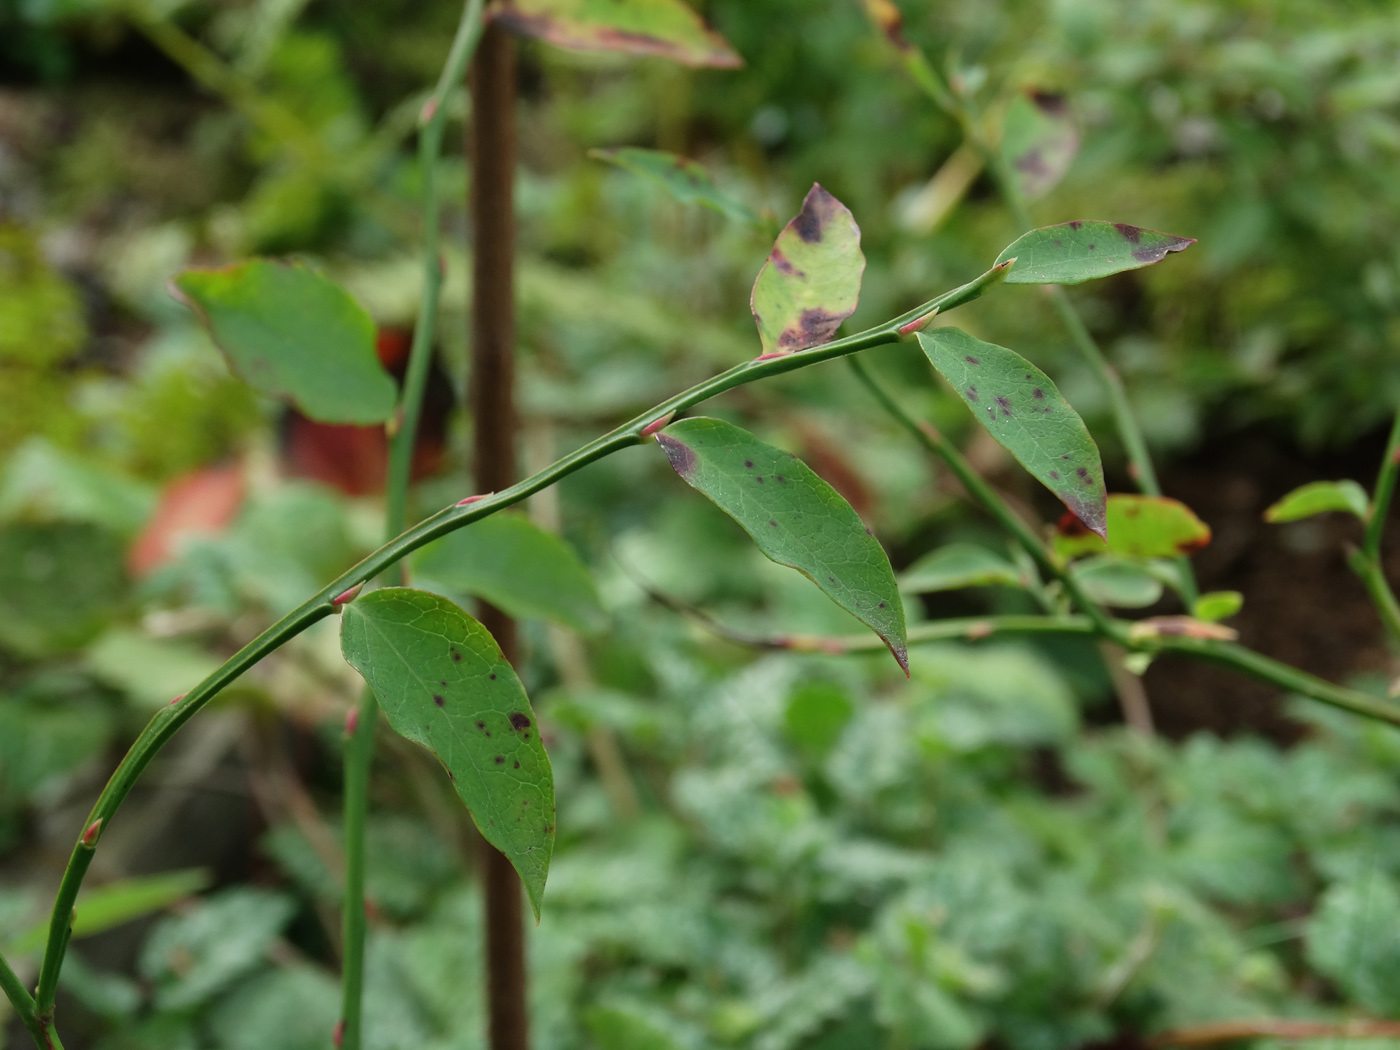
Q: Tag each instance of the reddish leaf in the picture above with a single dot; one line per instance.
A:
(661, 28)
(198, 504)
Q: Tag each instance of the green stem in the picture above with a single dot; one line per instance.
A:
(1227, 654)
(1385, 489)
(986, 497)
(1366, 562)
(168, 721)
(23, 1003)
(359, 752)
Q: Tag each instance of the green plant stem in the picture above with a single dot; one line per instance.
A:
(1226, 654)
(1385, 490)
(168, 721)
(1366, 562)
(23, 1003)
(359, 752)
(986, 497)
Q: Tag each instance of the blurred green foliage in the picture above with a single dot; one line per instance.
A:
(824, 857)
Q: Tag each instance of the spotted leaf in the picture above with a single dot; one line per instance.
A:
(661, 28)
(1079, 251)
(795, 517)
(1038, 141)
(683, 179)
(442, 682)
(811, 280)
(1023, 410)
(294, 334)
(1138, 527)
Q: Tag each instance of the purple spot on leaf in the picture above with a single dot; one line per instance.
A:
(972, 360)
(437, 700)
(519, 721)
(1132, 234)
(681, 457)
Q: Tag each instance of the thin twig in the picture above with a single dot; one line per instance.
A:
(1227, 1031)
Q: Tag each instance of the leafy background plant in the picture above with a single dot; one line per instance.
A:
(765, 851)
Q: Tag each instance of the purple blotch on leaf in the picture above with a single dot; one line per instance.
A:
(437, 700)
(500, 760)
(972, 360)
(972, 393)
(1037, 393)
(519, 721)
(681, 455)
(1132, 234)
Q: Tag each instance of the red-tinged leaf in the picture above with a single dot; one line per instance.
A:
(1138, 527)
(660, 28)
(795, 517)
(198, 504)
(1039, 140)
(811, 280)
(1078, 251)
(1022, 408)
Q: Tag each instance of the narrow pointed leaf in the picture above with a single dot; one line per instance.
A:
(811, 280)
(294, 334)
(795, 517)
(960, 565)
(102, 908)
(442, 682)
(1138, 527)
(1038, 141)
(682, 178)
(1023, 410)
(661, 28)
(1320, 497)
(516, 566)
(1079, 251)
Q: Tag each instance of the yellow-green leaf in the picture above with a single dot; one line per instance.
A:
(810, 282)
(1138, 527)
(1217, 605)
(1320, 497)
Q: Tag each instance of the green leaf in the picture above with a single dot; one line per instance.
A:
(294, 334)
(442, 682)
(960, 565)
(815, 715)
(193, 956)
(105, 907)
(1079, 251)
(662, 28)
(795, 517)
(683, 179)
(1038, 141)
(1023, 410)
(810, 282)
(1118, 583)
(1318, 498)
(518, 567)
(1217, 605)
(1138, 527)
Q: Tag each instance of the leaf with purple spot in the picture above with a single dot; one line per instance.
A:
(1078, 251)
(795, 517)
(811, 280)
(1023, 410)
(1038, 141)
(443, 683)
(660, 28)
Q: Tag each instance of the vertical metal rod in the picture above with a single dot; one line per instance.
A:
(491, 387)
